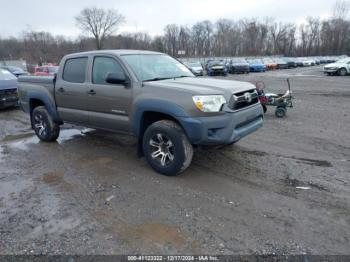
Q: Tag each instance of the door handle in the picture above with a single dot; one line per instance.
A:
(92, 92)
(61, 90)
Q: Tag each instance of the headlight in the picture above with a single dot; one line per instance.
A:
(211, 103)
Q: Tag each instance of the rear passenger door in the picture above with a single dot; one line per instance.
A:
(109, 104)
(71, 91)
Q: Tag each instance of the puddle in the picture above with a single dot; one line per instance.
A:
(28, 139)
(53, 177)
(69, 134)
(10, 138)
(157, 234)
(56, 179)
(25, 143)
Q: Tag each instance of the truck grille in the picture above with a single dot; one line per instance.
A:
(244, 99)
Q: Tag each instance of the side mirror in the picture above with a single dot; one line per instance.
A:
(116, 78)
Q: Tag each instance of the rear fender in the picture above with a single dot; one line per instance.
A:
(50, 106)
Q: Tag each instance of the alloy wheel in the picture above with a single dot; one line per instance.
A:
(162, 149)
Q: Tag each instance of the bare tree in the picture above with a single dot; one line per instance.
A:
(100, 23)
(341, 9)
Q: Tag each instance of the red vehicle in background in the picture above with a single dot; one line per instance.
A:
(47, 70)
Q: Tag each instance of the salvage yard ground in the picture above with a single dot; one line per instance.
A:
(284, 189)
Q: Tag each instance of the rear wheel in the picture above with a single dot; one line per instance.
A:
(280, 112)
(167, 148)
(44, 126)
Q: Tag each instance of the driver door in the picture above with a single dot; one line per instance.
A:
(108, 104)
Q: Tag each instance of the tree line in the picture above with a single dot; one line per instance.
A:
(225, 37)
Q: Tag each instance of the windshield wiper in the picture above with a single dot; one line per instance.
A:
(181, 76)
(157, 79)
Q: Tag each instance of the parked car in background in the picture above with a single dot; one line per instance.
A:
(269, 63)
(8, 89)
(281, 63)
(15, 70)
(291, 62)
(307, 61)
(216, 67)
(256, 65)
(238, 65)
(45, 70)
(341, 67)
(195, 67)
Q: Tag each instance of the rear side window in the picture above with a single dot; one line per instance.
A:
(75, 69)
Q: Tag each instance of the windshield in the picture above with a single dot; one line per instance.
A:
(156, 67)
(344, 60)
(15, 69)
(6, 75)
(268, 60)
(216, 63)
(239, 60)
(255, 61)
(194, 64)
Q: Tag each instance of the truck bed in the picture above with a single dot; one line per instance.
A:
(44, 85)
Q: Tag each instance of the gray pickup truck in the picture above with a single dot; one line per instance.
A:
(146, 94)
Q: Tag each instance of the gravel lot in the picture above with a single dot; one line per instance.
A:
(282, 190)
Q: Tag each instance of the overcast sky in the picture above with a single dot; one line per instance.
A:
(150, 16)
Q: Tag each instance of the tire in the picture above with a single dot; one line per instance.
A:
(342, 72)
(44, 126)
(166, 148)
(280, 112)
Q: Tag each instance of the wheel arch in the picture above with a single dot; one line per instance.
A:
(36, 99)
(151, 111)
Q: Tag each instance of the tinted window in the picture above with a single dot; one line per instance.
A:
(75, 69)
(102, 67)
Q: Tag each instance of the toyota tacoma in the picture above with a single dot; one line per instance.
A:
(147, 94)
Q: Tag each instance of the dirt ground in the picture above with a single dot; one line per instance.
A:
(283, 190)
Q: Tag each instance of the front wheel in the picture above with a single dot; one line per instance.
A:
(44, 126)
(167, 148)
(343, 72)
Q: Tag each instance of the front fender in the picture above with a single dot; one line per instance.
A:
(155, 105)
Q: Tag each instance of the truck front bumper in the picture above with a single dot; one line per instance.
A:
(223, 129)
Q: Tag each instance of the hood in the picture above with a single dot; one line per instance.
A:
(216, 66)
(8, 84)
(334, 65)
(202, 86)
(197, 68)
